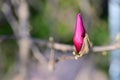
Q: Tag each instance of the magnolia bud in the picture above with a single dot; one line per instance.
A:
(79, 33)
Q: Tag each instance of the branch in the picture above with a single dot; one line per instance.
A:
(24, 42)
(107, 47)
(7, 11)
(38, 55)
(57, 46)
(51, 64)
(66, 47)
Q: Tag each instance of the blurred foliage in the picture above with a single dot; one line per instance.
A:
(69, 3)
(39, 24)
(8, 50)
(40, 27)
(100, 34)
(102, 62)
(5, 29)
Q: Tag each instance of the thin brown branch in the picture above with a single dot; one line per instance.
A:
(66, 47)
(107, 47)
(38, 55)
(51, 64)
(57, 46)
(65, 57)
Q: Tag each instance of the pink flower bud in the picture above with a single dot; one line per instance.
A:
(79, 33)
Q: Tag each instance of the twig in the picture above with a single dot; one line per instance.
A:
(38, 55)
(66, 47)
(107, 47)
(51, 63)
(65, 57)
(57, 46)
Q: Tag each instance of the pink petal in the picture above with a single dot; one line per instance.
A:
(79, 33)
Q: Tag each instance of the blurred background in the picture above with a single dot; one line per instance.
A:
(57, 18)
